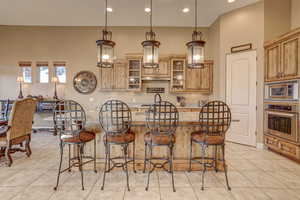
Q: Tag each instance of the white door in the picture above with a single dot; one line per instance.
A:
(241, 97)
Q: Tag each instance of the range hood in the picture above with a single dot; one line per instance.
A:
(155, 78)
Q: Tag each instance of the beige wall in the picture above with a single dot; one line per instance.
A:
(77, 47)
(242, 26)
(295, 14)
(277, 17)
(214, 54)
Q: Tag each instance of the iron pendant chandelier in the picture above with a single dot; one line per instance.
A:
(150, 47)
(196, 46)
(105, 47)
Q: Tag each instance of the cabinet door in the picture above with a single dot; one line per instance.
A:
(290, 56)
(206, 78)
(193, 77)
(106, 78)
(162, 71)
(120, 76)
(272, 56)
(164, 68)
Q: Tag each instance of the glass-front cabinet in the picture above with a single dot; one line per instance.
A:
(134, 74)
(178, 74)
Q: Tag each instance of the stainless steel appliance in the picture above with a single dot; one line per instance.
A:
(282, 91)
(282, 121)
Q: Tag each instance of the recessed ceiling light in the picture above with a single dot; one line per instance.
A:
(147, 9)
(109, 9)
(231, 1)
(185, 10)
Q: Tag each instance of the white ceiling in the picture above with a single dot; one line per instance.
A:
(125, 12)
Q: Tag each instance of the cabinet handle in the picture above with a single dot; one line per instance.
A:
(236, 120)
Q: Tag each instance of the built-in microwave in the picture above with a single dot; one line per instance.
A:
(282, 91)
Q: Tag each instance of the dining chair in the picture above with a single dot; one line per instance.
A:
(215, 120)
(70, 120)
(115, 119)
(162, 121)
(17, 129)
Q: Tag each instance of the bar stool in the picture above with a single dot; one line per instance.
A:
(162, 121)
(115, 119)
(215, 119)
(70, 120)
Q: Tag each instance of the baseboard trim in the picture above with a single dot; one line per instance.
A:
(260, 145)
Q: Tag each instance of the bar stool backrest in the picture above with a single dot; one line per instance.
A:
(69, 117)
(215, 118)
(115, 117)
(162, 118)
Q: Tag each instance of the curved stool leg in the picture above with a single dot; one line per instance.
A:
(105, 165)
(60, 164)
(125, 153)
(224, 166)
(172, 167)
(149, 169)
(145, 158)
(191, 151)
(69, 147)
(216, 158)
(133, 156)
(203, 147)
(95, 170)
(80, 152)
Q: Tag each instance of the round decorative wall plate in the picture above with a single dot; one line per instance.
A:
(85, 82)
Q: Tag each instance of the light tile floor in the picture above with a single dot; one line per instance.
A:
(253, 175)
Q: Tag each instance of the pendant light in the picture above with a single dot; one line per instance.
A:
(150, 47)
(196, 46)
(105, 47)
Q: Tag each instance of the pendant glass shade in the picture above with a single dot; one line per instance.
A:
(150, 57)
(105, 51)
(195, 54)
(195, 51)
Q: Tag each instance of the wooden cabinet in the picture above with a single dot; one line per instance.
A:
(134, 80)
(272, 56)
(289, 149)
(185, 79)
(114, 78)
(282, 57)
(163, 71)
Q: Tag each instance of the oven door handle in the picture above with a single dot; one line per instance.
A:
(282, 114)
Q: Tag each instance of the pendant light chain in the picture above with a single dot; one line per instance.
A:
(196, 14)
(151, 16)
(105, 15)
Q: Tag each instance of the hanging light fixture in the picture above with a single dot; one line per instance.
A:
(105, 47)
(196, 46)
(150, 46)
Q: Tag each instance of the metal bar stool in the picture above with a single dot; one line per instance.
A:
(162, 121)
(215, 119)
(70, 120)
(115, 119)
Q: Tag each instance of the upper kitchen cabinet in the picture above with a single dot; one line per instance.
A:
(282, 57)
(134, 67)
(163, 71)
(185, 79)
(114, 78)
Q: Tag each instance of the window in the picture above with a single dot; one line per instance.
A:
(43, 72)
(61, 72)
(26, 71)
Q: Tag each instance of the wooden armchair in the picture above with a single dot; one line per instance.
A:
(18, 129)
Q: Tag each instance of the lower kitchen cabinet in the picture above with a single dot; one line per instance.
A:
(282, 146)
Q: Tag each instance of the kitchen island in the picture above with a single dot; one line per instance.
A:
(182, 146)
